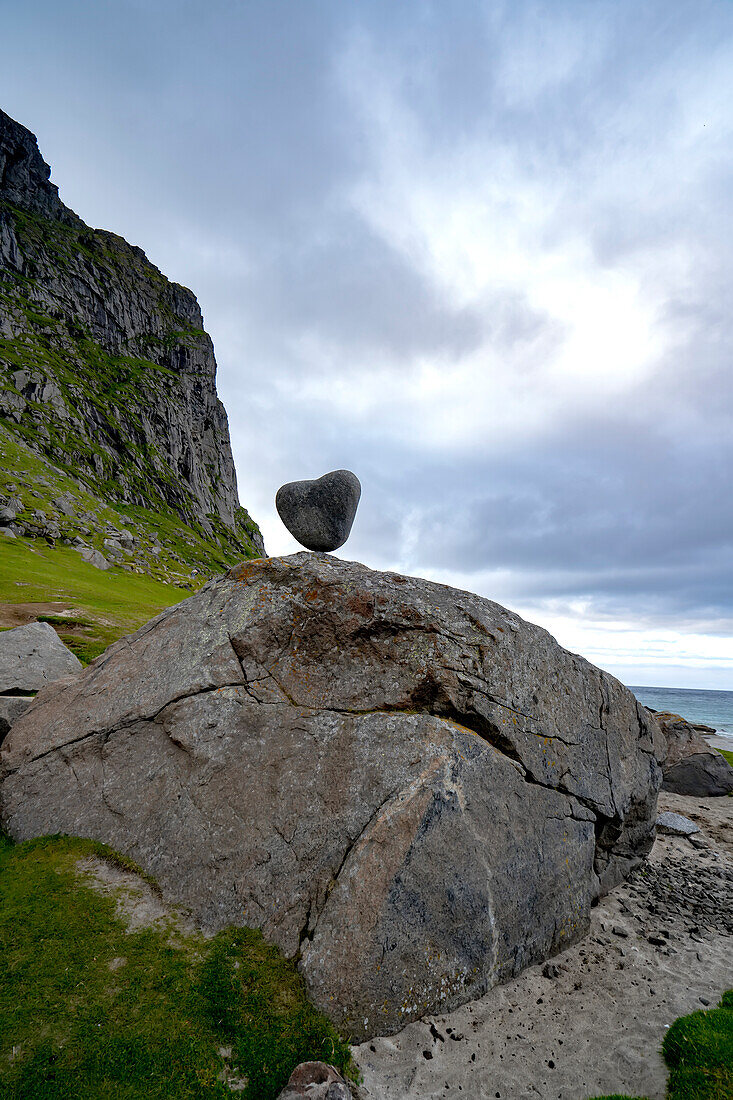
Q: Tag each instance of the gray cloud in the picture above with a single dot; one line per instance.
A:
(316, 174)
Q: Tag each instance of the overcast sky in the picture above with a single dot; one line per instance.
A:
(480, 253)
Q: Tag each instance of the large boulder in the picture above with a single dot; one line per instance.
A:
(692, 766)
(33, 656)
(407, 787)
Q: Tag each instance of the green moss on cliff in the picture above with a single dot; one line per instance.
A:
(165, 549)
(99, 351)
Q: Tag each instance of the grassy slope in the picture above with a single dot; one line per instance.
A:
(99, 607)
(699, 1052)
(172, 1017)
(41, 485)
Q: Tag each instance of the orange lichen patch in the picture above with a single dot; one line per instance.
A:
(245, 571)
(359, 604)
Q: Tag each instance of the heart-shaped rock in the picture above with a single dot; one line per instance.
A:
(319, 513)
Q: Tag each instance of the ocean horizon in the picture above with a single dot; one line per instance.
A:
(705, 707)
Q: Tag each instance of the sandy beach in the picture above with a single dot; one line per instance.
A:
(592, 1020)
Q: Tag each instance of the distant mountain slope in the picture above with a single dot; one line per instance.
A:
(107, 376)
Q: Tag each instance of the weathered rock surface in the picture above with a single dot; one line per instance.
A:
(33, 656)
(320, 513)
(692, 766)
(405, 785)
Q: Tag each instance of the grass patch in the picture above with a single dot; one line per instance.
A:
(105, 605)
(727, 754)
(174, 1020)
(699, 1052)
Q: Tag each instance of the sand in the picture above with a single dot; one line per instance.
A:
(591, 1021)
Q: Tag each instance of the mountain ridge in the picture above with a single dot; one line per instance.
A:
(107, 374)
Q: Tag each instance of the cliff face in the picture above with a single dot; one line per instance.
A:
(105, 368)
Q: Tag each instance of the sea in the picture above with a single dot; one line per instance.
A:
(709, 708)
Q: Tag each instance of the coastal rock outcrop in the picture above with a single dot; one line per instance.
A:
(692, 766)
(407, 787)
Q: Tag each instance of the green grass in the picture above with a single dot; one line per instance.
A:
(103, 606)
(40, 485)
(175, 1016)
(727, 754)
(699, 1052)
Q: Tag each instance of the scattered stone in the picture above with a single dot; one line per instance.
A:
(691, 892)
(93, 556)
(65, 504)
(316, 1081)
(620, 932)
(8, 532)
(319, 513)
(33, 656)
(7, 515)
(676, 825)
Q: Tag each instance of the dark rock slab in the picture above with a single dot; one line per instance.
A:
(11, 708)
(691, 766)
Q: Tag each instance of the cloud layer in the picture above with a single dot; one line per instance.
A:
(479, 253)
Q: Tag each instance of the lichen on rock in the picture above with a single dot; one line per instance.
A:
(405, 786)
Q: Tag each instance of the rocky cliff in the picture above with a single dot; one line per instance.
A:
(105, 368)
(407, 787)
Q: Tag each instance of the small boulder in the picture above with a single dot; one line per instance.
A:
(7, 515)
(316, 1081)
(33, 656)
(94, 557)
(676, 825)
(65, 504)
(319, 513)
